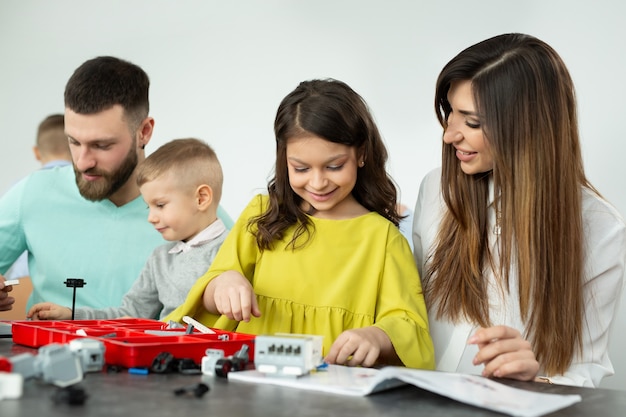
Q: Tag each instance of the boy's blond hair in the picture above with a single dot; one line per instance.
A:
(191, 161)
(51, 138)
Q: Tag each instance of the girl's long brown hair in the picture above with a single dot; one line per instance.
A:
(526, 103)
(331, 110)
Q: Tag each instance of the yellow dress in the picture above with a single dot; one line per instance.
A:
(353, 273)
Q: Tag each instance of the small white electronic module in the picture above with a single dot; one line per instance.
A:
(287, 354)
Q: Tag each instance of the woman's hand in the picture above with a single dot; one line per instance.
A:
(505, 353)
(232, 295)
(360, 347)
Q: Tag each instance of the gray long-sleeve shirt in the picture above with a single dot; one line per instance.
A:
(163, 283)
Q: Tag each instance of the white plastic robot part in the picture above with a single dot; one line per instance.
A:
(11, 385)
(196, 324)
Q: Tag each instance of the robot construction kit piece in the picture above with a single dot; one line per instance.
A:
(58, 364)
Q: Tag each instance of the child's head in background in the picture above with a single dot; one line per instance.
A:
(182, 184)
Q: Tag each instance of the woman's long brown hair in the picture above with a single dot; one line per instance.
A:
(526, 103)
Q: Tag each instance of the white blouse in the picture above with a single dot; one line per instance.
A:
(605, 264)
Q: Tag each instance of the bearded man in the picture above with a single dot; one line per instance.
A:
(87, 220)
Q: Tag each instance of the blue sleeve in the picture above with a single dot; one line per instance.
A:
(406, 226)
(19, 268)
(225, 218)
(12, 239)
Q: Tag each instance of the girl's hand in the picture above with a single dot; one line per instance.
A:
(505, 353)
(359, 347)
(233, 296)
(49, 311)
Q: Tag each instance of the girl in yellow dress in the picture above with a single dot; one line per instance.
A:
(322, 253)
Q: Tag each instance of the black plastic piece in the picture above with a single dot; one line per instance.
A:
(188, 366)
(164, 363)
(71, 395)
(197, 390)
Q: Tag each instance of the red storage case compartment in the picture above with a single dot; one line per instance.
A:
(132, 342)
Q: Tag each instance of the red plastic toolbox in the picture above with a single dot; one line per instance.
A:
(131, 342)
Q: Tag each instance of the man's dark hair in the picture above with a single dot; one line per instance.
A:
(102, 82)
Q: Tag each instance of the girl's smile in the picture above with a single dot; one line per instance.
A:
(323, 174)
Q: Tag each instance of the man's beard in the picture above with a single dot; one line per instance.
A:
(109, 182)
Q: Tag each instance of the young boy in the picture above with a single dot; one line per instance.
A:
(182, 184)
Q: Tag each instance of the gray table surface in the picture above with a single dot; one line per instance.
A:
(124, 394)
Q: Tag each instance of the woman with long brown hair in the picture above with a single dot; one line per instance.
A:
(522, 261)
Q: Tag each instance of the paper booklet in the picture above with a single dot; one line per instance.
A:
(469, 389)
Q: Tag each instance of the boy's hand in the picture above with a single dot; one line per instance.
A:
(49, 311)
(232, 296)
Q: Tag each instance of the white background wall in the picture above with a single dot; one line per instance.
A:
(219, 70)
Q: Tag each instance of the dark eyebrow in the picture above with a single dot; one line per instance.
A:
(106, 141)
(329, 160)
(468, 113)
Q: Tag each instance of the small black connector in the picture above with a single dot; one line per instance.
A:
(164, 363)
(75, 283)
(187, 366)
(197, 390)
